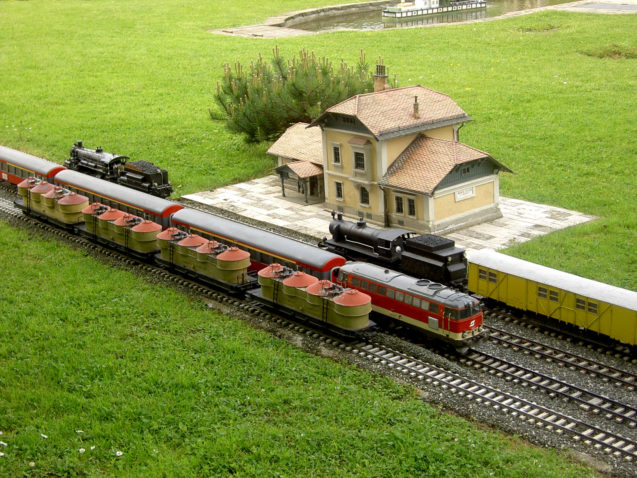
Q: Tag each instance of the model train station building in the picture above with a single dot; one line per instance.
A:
(392, 157)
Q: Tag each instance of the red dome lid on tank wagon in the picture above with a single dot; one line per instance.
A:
(147, 226)
(53, 193)
(29, 182)
(42, 188)
(271, 271)
(111, 215)
(208, 247)
(299, 280)
(320, 288)
(126, 220)
(233, 254)
(192, 240)
(168, 234)
(91, 208)
(72, 199)
(353, 298)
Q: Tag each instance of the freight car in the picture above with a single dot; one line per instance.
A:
(15, 166)
(428, 256)
(431, 308)
(567, 298)
(141, 175)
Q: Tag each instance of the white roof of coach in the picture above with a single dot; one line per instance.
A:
(554, 278)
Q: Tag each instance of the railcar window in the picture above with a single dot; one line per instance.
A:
(493, 277)
(382, 290)
(416, 302)
(399, 296)
(580, 304)
(553, 295)
(424, 305)
(372, 288)
(364, 284)
(433, 308)
(407, 299)
(342, 276)
(541, 292)
(592, 307)
(356, 281)
(482, 274)
(390, 293)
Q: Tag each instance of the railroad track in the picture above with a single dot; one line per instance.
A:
(588, 401)
(610, 443)
(568, 359)
(616, 349)
(539, 415)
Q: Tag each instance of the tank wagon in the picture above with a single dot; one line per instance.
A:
(141, 175)
(432, 308)
(567, 298)
(15, 166)
(429, 256)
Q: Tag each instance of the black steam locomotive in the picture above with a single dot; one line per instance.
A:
(141, 175)
(427, 256)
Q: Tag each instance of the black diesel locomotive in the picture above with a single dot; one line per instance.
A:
(432, 257)
(141, 175)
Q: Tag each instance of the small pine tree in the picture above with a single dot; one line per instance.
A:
(265, 99)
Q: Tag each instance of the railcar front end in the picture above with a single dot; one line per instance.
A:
(15, 166)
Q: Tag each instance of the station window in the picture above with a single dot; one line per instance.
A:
(364, 196)
(359, 161)
(553, 295)
(372, 288)
(542, 292)
(399, 205)
(382, 290)
(407, 299)
(416, 302)
(433, 308)
(493, 277)
(482, 274)
(339, 189)
(580, 304)
(364, 284)
(336, 152)
(390, 293)
(411, 207)
(400, 296)
(592, 307)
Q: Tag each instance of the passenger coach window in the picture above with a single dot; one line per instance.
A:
(553, 295)
(433, 308)
(493, 277)
(390, 293)
(416, 302)
(592, 307)
(482, 274)
(580, 304)
(372, 288)
(356, 281)
(407, 299)
(424, 305)
(382, 290)
(541, 292)
(399, 296)
(364, 284)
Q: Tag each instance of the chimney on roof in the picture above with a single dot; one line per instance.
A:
(416, 113)
(380, 78)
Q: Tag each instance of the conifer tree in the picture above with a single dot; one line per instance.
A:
(264, 99)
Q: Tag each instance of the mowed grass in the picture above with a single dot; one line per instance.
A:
(96, 361)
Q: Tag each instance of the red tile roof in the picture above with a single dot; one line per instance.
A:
(301, 143)
(392, 111)
(304, 169)
(426, 162)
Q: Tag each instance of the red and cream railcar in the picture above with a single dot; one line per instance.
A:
(16, 166)
(435, 309)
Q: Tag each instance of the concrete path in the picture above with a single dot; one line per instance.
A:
(260, 200)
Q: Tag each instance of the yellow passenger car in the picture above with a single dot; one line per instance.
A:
(585, 303)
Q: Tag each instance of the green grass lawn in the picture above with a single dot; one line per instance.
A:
(95, 361)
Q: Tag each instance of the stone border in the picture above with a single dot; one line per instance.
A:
(282, 26)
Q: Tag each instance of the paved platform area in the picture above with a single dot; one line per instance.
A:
(261, 200)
